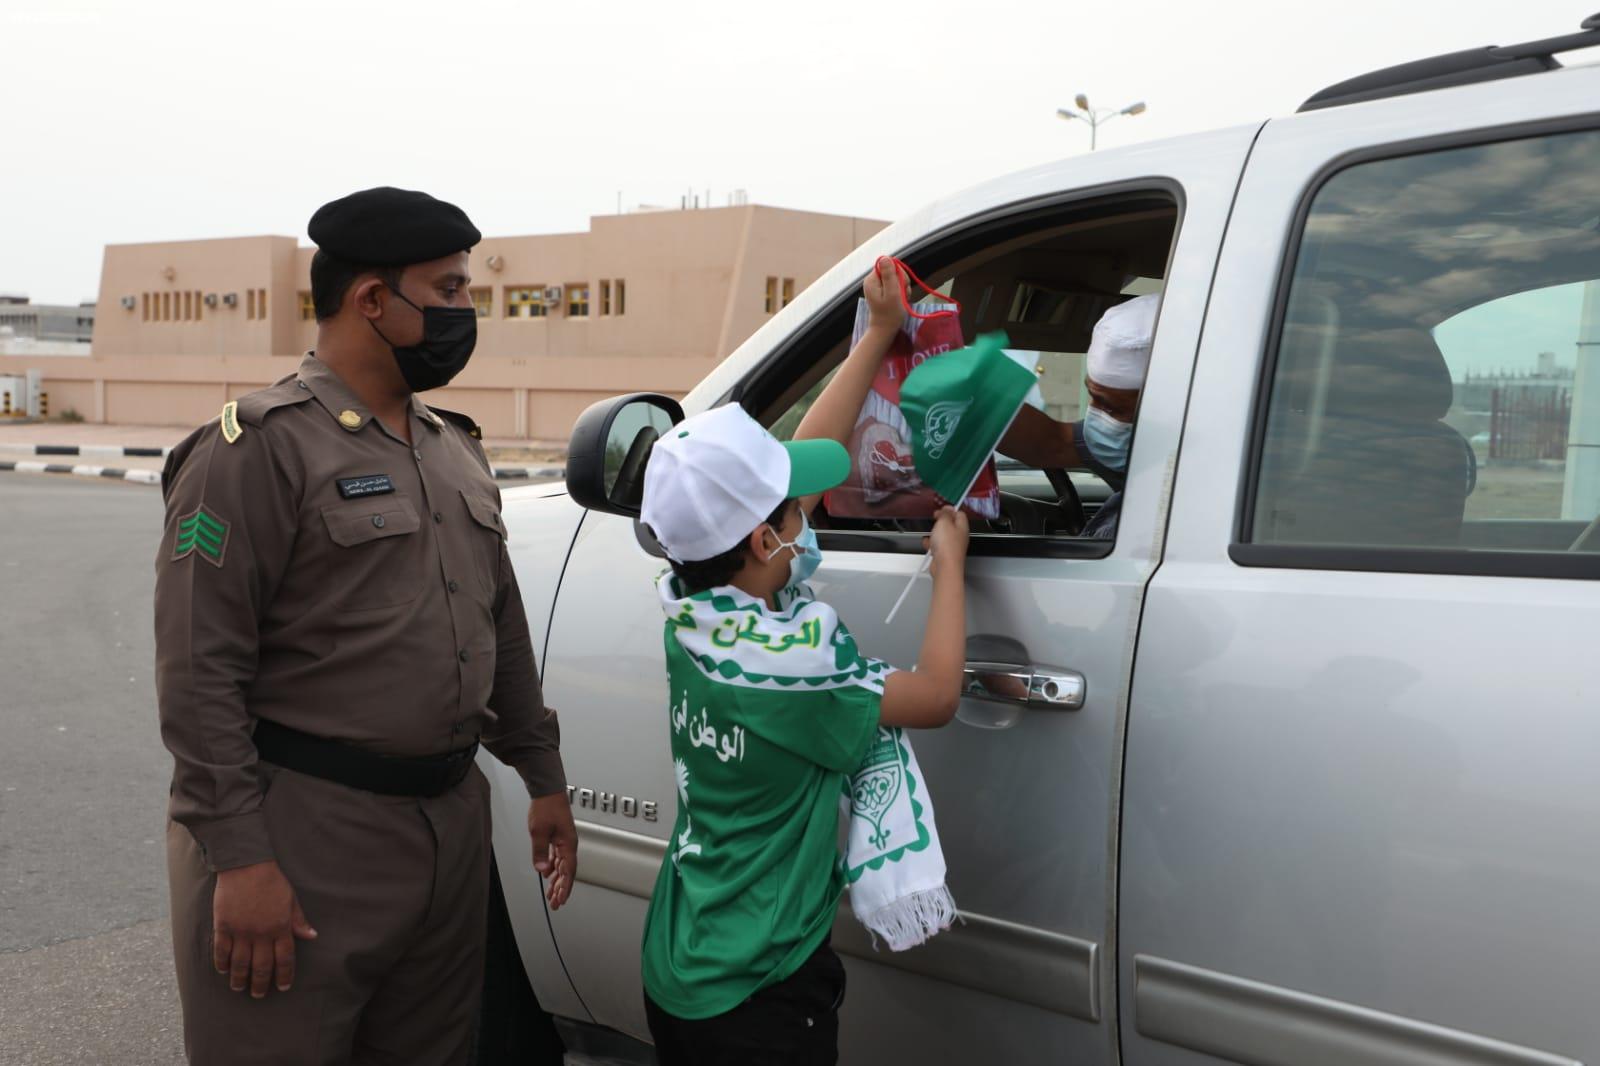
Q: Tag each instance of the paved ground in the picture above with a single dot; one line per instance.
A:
(85, 967)
(85, 954)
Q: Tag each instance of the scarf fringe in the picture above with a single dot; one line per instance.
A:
(911, 920)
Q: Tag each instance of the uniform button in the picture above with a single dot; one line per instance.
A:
(418, 453)
(303, 385)
(496, 519)
(463, 655)
(377, 520)
(456, 728)
(454, 587)
(437, 517)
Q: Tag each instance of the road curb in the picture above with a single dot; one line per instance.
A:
(507, 473)
(153, 477)
(140, 477)
(85, 449)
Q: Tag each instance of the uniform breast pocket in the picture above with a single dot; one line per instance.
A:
(376, 558)
(488, 533)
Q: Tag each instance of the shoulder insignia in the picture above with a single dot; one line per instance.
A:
(254, 407)
(201, 533)
(231, 430)
(466, 424)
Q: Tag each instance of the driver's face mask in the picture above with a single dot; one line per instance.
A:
(1108, 439)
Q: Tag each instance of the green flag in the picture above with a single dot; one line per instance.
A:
(958, 406)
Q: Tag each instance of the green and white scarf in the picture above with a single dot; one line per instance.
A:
(802, 652)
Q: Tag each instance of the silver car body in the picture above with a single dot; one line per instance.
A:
(1304, 816)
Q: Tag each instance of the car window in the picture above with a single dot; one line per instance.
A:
(1429, 387)
(1046, 290)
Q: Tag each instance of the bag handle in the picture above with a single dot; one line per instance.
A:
(905, 296)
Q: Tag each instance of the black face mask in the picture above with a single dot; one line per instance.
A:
(448, 336)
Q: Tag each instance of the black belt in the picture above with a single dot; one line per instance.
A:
(427, 775)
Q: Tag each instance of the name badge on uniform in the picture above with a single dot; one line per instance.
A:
(352, 488)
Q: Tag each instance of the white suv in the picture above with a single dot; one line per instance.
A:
(1331, 792)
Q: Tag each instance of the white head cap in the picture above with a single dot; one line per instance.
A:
(714, 478)
(1119, 351)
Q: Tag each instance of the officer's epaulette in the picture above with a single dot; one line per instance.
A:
(472, 429)
(252, 408)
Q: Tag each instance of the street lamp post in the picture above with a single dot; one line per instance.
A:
(1096, 116)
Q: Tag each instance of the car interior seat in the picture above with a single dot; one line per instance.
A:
(1359, 452)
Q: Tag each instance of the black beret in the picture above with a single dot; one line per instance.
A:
(391, 227)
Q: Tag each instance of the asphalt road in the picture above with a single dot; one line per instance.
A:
(85, 956)
(85, 948)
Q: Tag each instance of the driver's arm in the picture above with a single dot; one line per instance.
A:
(1040, 441)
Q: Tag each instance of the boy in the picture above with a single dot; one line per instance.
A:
(772, 706)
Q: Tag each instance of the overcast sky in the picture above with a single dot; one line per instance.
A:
(170, 120)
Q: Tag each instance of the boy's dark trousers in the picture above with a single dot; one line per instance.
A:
(792, 1023)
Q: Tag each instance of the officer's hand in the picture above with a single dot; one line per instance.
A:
(255, 919)
(555, 845)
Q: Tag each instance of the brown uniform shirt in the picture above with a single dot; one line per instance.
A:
(319, 572)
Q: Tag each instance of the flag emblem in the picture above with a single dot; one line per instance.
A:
(941, 423)
(201, 533)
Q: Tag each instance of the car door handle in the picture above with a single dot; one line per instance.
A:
(1041, 688)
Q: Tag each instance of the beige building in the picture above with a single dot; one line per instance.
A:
(644, 301)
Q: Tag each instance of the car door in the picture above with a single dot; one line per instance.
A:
(1025, 798)
(1360, 804)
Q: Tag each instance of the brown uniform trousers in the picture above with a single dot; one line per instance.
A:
(322, 573)
(397, 889)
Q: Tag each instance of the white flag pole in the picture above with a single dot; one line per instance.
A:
(927, 557)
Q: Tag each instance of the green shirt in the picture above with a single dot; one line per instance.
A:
(770, 710)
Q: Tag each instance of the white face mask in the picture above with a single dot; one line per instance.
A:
(807, 555)
(1108, 439)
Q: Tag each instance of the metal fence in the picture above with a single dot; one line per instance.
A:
(1529, 424)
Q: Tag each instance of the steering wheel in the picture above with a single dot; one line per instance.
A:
(1068, 504)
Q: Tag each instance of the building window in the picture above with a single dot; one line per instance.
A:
(188, 306)
(525, 303)
(578, 301)
(788, 291)
(605, 297)
(144, 306)
(166, 307)
(261, 303)
(199, 303)
(250, 303)
(308, 308)
(622, 296)
(483, 300)
(772, 295)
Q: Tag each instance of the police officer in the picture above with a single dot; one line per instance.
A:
(338, 628)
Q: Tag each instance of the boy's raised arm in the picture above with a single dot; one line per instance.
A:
(834, 413)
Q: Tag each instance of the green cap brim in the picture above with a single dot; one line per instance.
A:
(816, 466)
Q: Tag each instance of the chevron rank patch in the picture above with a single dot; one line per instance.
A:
(201, 533)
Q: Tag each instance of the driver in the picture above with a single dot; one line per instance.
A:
(1118, 359)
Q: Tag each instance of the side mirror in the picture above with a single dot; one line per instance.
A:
(610, 446)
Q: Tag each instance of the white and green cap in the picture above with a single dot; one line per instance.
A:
(715, 477)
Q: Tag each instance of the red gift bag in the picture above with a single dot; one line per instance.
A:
(883, 483)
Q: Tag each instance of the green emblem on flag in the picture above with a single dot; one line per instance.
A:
(201, 533)
(958, 407)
